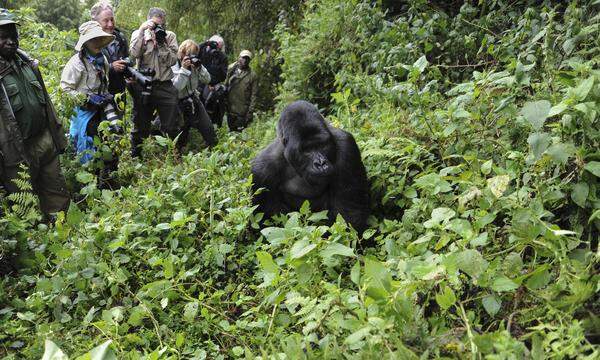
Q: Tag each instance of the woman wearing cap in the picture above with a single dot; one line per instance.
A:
(189, 74)
(242, 87)
(85, 78)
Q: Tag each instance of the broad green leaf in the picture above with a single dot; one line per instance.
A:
(268, 266)
(560, 153)
(445, 298)
(486, 167)
(190, 310)
(502, 284)
(558, 109)
(74, 215)
(101, 352)
(580, 193)
(538, 143)
(421, 63)
(583, 89)
(491, 304)
(498, 184)
(301, 248)
(438, 216)
(538, 280)
(85, 177)
(377, 278)
(318, 216)
(593, 167)
(336, 249)
(536, 112)
(358, 335)
(471, 262)
(53, 352)
(237, 351)
(462, 227)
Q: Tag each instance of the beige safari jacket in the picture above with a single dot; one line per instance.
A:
(149, 55)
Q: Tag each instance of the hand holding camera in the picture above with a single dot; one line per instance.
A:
(191, 61)
(187, 63)
(147, 25)
(99, 100)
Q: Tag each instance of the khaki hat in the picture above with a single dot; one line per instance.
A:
(246, 53)
(6, 17)
(91, 30)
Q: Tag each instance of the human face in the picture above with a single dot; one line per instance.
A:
(9, 41)
(94, 46)
(158, 20)
(107, 20)
(243, 62)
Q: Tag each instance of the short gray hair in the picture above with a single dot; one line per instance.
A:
(98, 8)
(156, 12)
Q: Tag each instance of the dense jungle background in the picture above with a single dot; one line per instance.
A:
(478, 124)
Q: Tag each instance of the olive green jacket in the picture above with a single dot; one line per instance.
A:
(12, 150)
(243, 89)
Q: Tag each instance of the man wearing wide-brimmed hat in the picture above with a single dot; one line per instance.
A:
(241, 83)
(30, 132)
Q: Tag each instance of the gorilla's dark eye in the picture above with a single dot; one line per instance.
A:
(285, 140)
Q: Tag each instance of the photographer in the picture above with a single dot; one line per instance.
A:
(116, 51)
(212, 55)
(153, 47)
(189, 73)
(242, 90)
(85, 79)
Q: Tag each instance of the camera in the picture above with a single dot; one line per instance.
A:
(195, 59)
(143, 77)
(212, 46)
(160, 33)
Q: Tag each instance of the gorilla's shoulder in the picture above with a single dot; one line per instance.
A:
(268, 162)
(342, 135)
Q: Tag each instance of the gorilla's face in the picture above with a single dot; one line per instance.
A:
(311, 151)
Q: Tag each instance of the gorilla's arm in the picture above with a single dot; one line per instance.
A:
(268, 169)
(350, 196)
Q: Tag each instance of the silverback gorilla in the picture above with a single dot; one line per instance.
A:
(311, 160)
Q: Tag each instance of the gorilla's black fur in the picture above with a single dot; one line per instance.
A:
(311, 160)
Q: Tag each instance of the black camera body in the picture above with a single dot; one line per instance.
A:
(211, 46)
(196, 61)
(160, 33)
(143, 77)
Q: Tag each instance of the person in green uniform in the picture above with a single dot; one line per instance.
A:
(242, 85)
(30, 132)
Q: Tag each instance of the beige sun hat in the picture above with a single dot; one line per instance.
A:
(246, 53)
(90, 30)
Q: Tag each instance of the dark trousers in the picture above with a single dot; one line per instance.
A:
(46, 179)
(162, 99)
(214, 102)
(196, 118)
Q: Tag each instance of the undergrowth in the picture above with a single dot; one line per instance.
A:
(479, 132)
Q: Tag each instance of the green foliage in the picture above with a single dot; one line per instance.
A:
(478, 126)
(64, 14)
